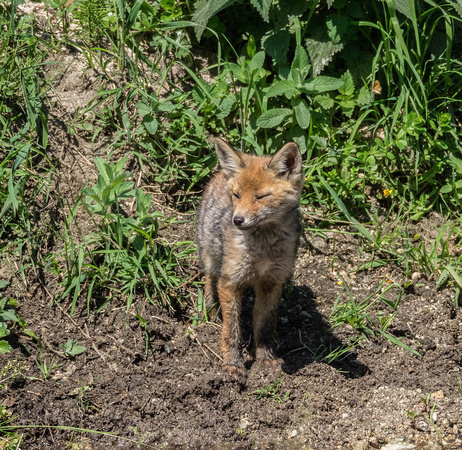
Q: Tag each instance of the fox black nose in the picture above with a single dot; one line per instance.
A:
(238, 220)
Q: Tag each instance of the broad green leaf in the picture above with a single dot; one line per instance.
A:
(276, 45)
(446, 189)
(4, 347)
(8, 315)
(206, 9)
(321, 52)
(299, 137)
(302, 113)
(257, 61)
(273, 117)
(324, 100)
(321, 84)
(4, 331)
(283, 87)
(364, 96)
(300, 65)
(104, 169)
(262, 7)
(337, 26)
(151, 124)
(348, 87)
(403, 7)
(143, 109)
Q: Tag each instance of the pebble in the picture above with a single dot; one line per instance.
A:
(293, 433)
(244, 423)
(421, 425)
(399, 444)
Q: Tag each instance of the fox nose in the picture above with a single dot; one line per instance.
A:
(238, 220)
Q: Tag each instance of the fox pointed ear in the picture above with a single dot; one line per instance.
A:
(288, 162)
(229, 159)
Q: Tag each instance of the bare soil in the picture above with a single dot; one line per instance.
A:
(174, 394)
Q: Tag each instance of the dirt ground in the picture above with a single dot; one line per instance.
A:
(379, 396)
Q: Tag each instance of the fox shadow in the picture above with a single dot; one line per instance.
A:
(305, 336)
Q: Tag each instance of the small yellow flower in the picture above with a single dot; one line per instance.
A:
(387, 192)
(339, 282)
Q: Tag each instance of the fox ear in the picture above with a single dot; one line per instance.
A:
(229, 159)
(288, 162)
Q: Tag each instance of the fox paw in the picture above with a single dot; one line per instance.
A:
(271, 365)
(236, 373)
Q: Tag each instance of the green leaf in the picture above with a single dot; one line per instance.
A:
(72, 348)
(257, 61)
(300, 65)
(364, 96)
(8, 315)
(262, 7)
(273, 117)
(151, 124)
(277, 45)
(206, 9)
(299, 137)
(4, 347)
(168, 5)
(143, 109)
(324, 100)
(337, 26)
(403, 7)
(251, 46)
(4, 331)
(321, 84)
(283, 87)
(446, 189)
(348, 87)
(302, 113)
(321, 52)
(4, 284)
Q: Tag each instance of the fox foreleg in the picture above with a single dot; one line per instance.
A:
(231, 305)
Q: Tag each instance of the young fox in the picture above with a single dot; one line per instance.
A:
(248, 233)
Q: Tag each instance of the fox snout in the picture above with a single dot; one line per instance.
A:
(238, 221)
(244, 223)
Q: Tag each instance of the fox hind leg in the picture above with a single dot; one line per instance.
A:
(211, 297)
(265, 315)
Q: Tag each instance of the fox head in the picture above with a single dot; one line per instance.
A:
(263, 189)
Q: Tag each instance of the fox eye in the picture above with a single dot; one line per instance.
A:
(236, 196)
(259, 197)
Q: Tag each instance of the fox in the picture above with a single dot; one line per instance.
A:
(248, 235)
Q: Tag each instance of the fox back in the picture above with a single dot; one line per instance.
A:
(248, 233)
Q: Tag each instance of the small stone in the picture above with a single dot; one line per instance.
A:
(421, 426)
(399, 444)
(244, 423)
(416, 276)
(293, 433)
(437, 395)
(345, 416)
